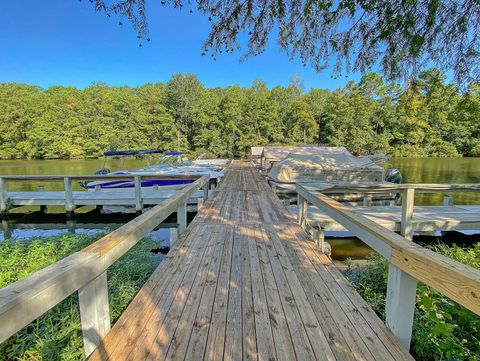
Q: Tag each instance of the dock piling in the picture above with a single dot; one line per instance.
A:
(407, 213)
(3, 196)
(138, 194)
(69, 206)
(448, 201)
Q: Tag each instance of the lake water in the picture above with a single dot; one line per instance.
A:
(414, 170)
(440, 170)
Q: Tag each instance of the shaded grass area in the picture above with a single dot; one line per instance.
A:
(57, 334)
(442, 330)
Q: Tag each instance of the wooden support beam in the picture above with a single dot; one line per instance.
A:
(94, 312)
(367, 200)
(448, 201)
(205, 192)
(7, 230)
(400, 304)
(319, 237)
(137, 181)
(406, 228)
(3, 196)
(302, 205)
(173, 236)
(69, 206)
(182, 218)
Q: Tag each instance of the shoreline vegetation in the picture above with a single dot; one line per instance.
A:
(57, 334)
(429, 117)
(442, 329)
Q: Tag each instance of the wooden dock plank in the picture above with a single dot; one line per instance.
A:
(246, 283)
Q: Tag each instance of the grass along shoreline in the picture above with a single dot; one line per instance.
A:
(57, 334)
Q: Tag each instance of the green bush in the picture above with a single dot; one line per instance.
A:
(57, 334)
(442, 330)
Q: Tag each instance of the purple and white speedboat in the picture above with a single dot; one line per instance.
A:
(170, 164)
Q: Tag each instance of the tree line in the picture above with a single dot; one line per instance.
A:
(429, 117)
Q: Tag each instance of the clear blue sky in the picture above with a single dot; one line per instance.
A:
(64, 42)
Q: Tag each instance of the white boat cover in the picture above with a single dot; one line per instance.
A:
(276, 153)
(329, 166)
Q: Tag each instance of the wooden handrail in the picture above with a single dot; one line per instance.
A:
(78, 177)
(455, 280)
(372, 187)
(29, 298)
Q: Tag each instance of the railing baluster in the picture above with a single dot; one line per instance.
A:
(94, 312)
(3, 196)
(137, 180)
(448, 201)
(302, 205)
(182, 217)
(69, 206)
(406, 227)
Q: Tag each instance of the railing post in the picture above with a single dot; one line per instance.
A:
(173, 236)
(69, 207)
(406, 227)
(367, 200)
(401, 287)
(199, 203)
(448, 201)
(400, 304)
(7, 230)
(3, 196)
(205, 191)
(302, 205)
(182, 217)
(319, 237)
(94, 312)
(137, 181)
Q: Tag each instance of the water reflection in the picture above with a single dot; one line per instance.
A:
(440, 170)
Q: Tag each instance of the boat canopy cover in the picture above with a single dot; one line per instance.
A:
(275, 154)
(131, 152)
(173, 153)
(342, 167)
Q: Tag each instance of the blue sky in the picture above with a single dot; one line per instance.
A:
(64, 42)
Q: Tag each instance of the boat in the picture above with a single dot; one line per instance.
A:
(324, 166)
(169, 165)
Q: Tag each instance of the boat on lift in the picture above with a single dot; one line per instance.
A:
(169, 165)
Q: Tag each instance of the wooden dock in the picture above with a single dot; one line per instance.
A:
(149, 196)
(424, 218)
(69, 199)
(245, 282)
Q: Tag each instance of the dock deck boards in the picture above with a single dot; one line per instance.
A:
(244, 282)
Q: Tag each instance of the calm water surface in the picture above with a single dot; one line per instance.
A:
(440, 170)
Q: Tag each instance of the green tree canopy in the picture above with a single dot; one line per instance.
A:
(428, 118)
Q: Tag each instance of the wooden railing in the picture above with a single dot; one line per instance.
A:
(67, 181)
(86, 272)
(407, 190)
(408, 262)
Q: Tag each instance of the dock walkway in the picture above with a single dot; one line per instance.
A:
(244, 282)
